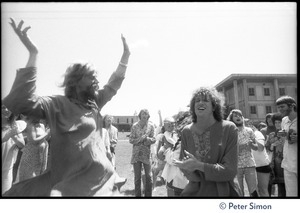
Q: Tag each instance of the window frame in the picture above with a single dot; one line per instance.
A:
(253, 107)
(268, 93)
(251, 91)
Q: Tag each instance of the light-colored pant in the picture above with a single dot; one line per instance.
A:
(291, 183)
(251, 179)
(7, 179)
(113, 160)
(263, 183)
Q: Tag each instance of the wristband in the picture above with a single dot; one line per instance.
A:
(122, 64)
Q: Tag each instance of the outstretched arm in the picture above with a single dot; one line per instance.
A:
(160, 119)
(22, 34)
(115, 81)
(124, 59)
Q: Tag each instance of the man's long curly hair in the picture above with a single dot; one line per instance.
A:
(216, 98)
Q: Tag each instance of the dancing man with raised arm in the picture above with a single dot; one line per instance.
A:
(79, 166)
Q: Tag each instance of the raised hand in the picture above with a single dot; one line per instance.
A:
(22, 34)
(125, 45)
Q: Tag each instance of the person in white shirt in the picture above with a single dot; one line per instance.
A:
(12, 141)
(262, 162)
(286, 105)
(168, 151)
(113, 136)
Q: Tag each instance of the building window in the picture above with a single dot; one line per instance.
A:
(132, 120)
(281, 91)
(118, 120)
(252, 109)
(127, 120)
(267, 91)
(268, 109)
(251, 92)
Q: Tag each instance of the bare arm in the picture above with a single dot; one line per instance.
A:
(19, 140)
(160, 118)
(33, 136)
(121, 69)
(22, 34)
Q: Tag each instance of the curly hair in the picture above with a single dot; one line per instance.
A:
(73, 74)
(216, 98)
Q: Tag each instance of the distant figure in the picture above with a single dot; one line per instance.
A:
(113, 136)
(111, 142)
(35, 153)
(275, 144)
(270, 126)
(12, 141)
(287, 107)
(79, 166)
(261, 125)
(141, 137)
(157, 165)
(262, 162)
(246, 162)
(168, 151)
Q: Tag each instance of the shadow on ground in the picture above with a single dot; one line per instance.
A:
(159, 190)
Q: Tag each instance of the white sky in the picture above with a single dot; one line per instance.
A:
(175, 47)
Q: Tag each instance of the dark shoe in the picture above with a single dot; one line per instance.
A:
(254, 194)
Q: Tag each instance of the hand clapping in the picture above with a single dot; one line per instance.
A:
(189, 162)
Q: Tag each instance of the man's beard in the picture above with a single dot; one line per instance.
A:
(91, 93)
(287, 112)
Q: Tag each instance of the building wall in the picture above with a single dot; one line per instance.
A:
(260, 101)
(124, 123)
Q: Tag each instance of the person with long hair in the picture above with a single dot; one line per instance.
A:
(274, 144)
(35, 153)
(141, 138)
(79, 166)
(12, 142)
(246, 162)
(112, 140)
(208, 156)
(262, 162)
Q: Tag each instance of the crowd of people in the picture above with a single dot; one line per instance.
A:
(63, 146)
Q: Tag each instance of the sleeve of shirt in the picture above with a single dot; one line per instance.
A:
(260, 137)
(22, 97)
(151, 135)
(134, 137)
(226, 169)
(109, 90)
(115, 134)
